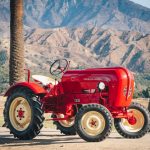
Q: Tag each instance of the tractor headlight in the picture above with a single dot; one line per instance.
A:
(101, 85)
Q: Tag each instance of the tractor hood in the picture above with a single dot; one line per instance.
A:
(118, 80)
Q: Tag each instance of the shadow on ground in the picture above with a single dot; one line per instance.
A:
(8, 140)
(42, 139)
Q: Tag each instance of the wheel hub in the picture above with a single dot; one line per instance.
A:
(93, 123)
(134, 123)
(20, 113)
(132, 120)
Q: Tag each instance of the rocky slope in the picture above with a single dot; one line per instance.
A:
(83, 32)
(92, 47)
(117, 14)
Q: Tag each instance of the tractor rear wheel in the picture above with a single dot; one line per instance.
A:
(93, 123)
(23, 114)
(65, 126)
(137, 128)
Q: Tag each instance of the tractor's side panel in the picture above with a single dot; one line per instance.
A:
(119, 85)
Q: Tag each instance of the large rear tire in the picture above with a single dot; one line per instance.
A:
(93, 123)
(23, 114)
(138, 129)
(65, 126)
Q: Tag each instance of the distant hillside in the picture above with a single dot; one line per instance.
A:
(91, 47)
(117, 14)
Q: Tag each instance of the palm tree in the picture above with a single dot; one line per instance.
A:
(149, 105)
(16, 63)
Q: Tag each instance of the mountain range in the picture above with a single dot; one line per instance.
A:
(92, 47)
(90, 33)
(117, 14)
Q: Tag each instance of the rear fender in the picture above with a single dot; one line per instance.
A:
(30, 85)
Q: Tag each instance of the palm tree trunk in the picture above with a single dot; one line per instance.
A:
(16, 63)
(149, 105)
(149, 110)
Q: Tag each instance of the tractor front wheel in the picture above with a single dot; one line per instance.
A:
(136, 126)
(23, 114)
(65, 126)
(93, 123)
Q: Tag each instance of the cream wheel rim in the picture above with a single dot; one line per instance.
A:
(20, 113)
(66, 123)
(93, 123)
(139, 122)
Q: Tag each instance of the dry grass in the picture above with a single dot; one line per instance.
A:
(142, 101)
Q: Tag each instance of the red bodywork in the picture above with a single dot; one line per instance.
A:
(30, 85)
(79, 87)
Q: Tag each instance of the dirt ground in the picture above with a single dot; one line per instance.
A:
(53, 140)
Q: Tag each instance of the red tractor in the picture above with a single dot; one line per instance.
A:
(83, 101)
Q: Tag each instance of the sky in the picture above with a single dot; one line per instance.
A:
(145, 3)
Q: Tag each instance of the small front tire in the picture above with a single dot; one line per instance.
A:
(93, 123)
(138, 129)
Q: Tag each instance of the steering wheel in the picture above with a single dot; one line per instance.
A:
(59, 66)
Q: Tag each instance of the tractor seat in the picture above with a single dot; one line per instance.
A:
(43, 79)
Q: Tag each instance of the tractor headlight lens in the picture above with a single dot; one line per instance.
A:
(101, 85)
